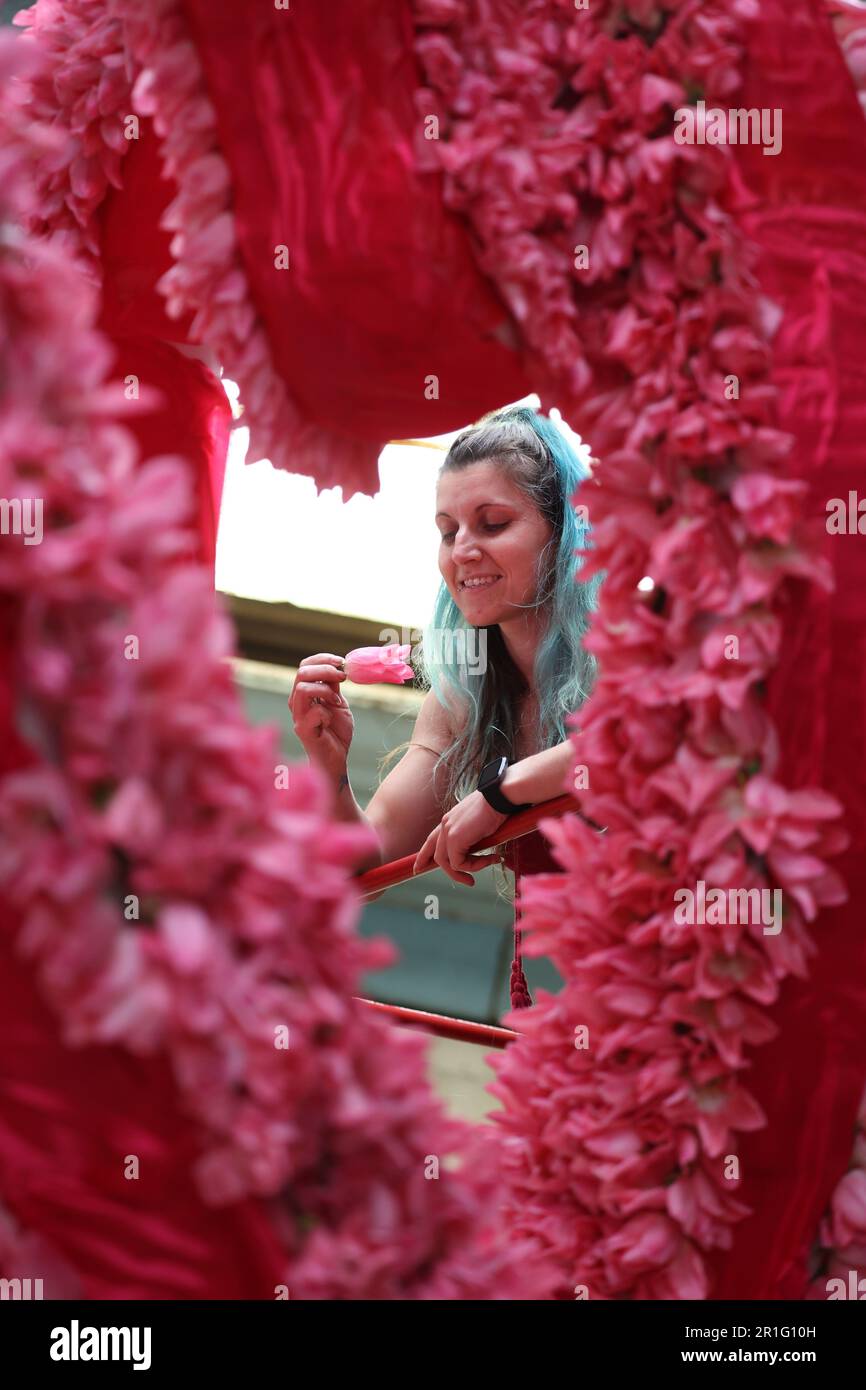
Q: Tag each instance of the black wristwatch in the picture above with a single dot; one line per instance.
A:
(492, 774)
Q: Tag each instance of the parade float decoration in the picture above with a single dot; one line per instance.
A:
(609, 246)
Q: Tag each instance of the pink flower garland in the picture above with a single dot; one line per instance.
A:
(179, 891)
(624, 1102)
(84, 94)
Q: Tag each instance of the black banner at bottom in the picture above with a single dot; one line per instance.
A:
(161, 1339)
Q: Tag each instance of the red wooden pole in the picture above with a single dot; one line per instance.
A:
(399, 870)
(460, 1029)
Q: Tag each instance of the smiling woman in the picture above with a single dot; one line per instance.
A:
(506, 514)
(489, 563)
(492, 734)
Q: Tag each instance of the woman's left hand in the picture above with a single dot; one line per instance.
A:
(471, 820)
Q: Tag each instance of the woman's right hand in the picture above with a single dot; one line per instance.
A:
(321, 716)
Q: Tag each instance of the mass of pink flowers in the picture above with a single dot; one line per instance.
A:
(616, 251)
(178, 891)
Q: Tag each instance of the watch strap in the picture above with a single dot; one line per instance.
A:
(496, 798)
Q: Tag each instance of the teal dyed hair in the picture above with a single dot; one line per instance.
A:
(538, 460)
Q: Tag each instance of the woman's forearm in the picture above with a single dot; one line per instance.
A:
(541, 776)
(347, 809)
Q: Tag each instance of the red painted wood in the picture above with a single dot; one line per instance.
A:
(399, 870)
(460, 1029)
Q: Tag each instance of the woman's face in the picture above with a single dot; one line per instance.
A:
(488, 528)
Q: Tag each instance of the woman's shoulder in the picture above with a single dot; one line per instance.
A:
(435, 726)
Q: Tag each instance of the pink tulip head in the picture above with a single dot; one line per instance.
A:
(370, 665)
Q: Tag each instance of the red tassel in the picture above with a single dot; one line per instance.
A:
(520, 996)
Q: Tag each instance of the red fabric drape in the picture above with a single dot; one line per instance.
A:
(194, 418)
(383, 289)
(806, 207)
(69, 1120)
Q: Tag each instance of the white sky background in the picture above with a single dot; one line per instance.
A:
(372, 557)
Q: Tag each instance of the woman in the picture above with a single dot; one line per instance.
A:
(509, 527)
